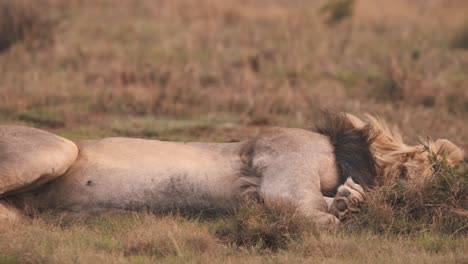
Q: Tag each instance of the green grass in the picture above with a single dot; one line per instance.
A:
(52, 118)
(204, 128)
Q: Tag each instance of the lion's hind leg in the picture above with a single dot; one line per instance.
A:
(31, 157)
(348, 199)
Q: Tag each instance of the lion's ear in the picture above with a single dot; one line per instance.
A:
(356, 121)
(453, 153)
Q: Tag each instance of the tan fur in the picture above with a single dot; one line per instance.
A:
(443, 147)
(395, 159)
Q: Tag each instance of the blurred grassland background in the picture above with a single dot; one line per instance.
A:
(212, 70)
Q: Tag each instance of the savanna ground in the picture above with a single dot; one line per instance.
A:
(209, 70)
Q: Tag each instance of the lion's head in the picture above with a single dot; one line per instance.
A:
(397, 160)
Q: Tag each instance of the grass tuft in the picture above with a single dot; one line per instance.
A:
(261, 226)
(337, 10)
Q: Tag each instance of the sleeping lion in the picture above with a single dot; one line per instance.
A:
(325, 173)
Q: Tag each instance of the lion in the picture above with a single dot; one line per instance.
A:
(324, 172)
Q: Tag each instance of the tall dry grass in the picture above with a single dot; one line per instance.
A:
(269, 63)
(24, 21)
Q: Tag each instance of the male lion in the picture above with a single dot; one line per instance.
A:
(324, 172)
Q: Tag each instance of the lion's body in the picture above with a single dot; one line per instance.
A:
(43, 171)
(138, 174)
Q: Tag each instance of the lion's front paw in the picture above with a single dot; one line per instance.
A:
(348, 199)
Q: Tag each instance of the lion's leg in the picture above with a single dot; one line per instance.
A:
(306, 196)
(290, 183)
(348, 199)
(30, 157)
(290, 172)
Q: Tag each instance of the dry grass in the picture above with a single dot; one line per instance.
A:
(219, 70)
(117, 237)
(261, 226)
(24, 20)
(180, 240)
(142, 238)
(277, 66)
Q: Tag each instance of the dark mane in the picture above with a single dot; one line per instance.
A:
(351, 148)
